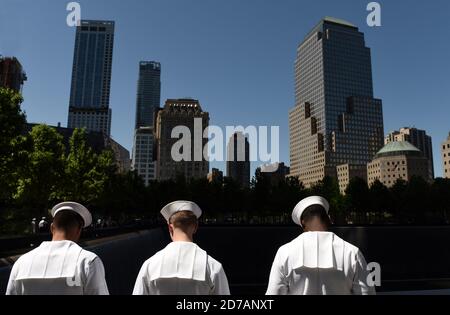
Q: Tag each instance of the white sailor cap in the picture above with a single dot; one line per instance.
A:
(76, 207)
(178, 206)
(304, 204)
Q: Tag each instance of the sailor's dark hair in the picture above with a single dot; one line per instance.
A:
(315, 211)
(66, 220)
(183, 219)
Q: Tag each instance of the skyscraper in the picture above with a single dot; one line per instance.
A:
(148, 99)
(12, 75)
(335, 120)
(418, 138)
(142, 161)
(238, 159)
(188, 116)
(91, 76)
(446, 157)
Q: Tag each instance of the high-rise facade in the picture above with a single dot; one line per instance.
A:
(148, 100)
(446, 157)
(148, 97)
(91, 76)
(143, 155)
(12, 75)
(346, 172)
(238, 159)
(417, 138)
(336, 120)
(185, 116)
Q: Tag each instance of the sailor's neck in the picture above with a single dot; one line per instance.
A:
(316, 229)
(315, 224)
(59, 237)
(182, 237)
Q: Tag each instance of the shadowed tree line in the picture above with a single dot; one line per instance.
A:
(38, 171)
(414, 202)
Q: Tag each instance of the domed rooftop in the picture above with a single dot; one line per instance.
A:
(398, 148)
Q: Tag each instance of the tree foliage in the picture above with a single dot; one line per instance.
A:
(12, 122)
(41, 174)
(37, 171)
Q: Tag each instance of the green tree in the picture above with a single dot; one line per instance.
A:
(39, 179)
(288, 194)
(233, 198)
(398, 194)
(440, 199)
(417, 200)
(123, 197)
(101, 174)
(357, 198)
(262, 196)
(12, 123)
(380, 200)
(86, 173)
(329, 189)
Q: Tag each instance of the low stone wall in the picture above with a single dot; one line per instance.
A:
(412, 258)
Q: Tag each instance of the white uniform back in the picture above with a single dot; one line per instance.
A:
(58, 268)
(319, 263)
(182, 268)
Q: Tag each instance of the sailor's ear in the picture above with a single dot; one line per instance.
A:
(78, 234)
(170, 228)
(52, 228)
(196, 228)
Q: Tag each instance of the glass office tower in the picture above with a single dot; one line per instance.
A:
(91, 76)
(336, 119)
(148, 99)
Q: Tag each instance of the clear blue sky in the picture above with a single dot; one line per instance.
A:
(235, 56)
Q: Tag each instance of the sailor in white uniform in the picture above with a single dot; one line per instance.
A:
(60, 267)
(182, 268)
(318, 262)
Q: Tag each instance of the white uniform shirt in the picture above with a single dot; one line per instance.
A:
(58, 268)
(182, 268)
(319, 263)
